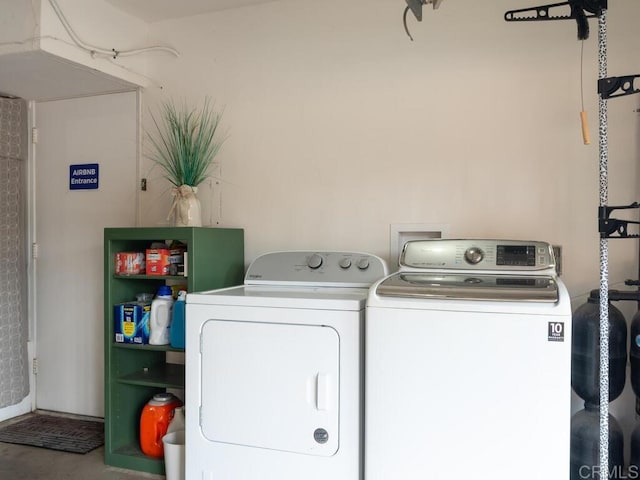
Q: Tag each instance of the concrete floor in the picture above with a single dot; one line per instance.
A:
(19, 462)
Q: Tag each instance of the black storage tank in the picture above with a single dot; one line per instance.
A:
(585, 446)
(634, 461)
(585, 351)
(634, 355)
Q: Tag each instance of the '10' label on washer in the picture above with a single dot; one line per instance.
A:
(556, 331)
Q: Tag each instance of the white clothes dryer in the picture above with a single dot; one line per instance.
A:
(468, 366)
(274, 370)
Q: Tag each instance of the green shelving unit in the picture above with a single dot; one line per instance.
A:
(134, 373)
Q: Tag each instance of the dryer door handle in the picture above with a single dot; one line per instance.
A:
(322, 391)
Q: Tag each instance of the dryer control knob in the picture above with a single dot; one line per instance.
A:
(345, 263)
(314, 261)
(473, 255)
(363, 263)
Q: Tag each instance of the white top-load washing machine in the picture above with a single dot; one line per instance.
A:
(274, 370)
(468, 366)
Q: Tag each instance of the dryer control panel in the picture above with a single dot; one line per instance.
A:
(316, 268)
(491, 255)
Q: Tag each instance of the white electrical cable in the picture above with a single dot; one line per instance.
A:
(103, 51)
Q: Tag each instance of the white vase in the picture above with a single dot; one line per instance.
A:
(186, 207)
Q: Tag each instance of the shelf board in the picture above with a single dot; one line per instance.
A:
(133, 450)
(147, 347)
(150, 277)
(163, 375)
(130, 456)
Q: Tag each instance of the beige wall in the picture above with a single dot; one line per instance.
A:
(339, 126)
(19, 21)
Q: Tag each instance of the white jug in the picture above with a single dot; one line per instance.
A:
(177, 422)
(160, 318)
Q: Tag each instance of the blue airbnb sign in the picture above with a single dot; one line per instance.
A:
(83, 177)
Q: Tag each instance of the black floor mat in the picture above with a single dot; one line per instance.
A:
(55, 433)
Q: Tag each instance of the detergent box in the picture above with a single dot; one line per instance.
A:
(157, 261)
(132, 322)
(176, 259)
(129, 263)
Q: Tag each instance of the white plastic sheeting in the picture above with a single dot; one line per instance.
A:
(14, 374)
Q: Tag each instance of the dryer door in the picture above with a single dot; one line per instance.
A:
(270, 385)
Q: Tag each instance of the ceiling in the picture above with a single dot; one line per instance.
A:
(156, 10)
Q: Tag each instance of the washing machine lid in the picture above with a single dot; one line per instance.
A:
(470, 286)
(315, 298)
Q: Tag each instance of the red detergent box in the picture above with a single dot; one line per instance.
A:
(157, 261)
(131, 322)
(129, 263)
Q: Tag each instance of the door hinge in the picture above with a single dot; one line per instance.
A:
(34, 135)
(34, 368)
(34, 251)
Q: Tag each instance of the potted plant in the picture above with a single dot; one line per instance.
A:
(184, 145)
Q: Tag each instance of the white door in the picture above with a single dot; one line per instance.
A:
(69, 232)
(271, 386)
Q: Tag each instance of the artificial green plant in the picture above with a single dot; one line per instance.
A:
(184, 143)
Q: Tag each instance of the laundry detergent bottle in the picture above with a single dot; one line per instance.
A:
(160, 318)
(154, 422)
(177, 422)
(176, 334)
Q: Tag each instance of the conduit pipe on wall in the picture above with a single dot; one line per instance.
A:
(104, 51)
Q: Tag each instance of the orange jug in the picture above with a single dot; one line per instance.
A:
(154, 421)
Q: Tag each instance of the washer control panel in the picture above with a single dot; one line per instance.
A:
(491, 255)
(316, 268)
